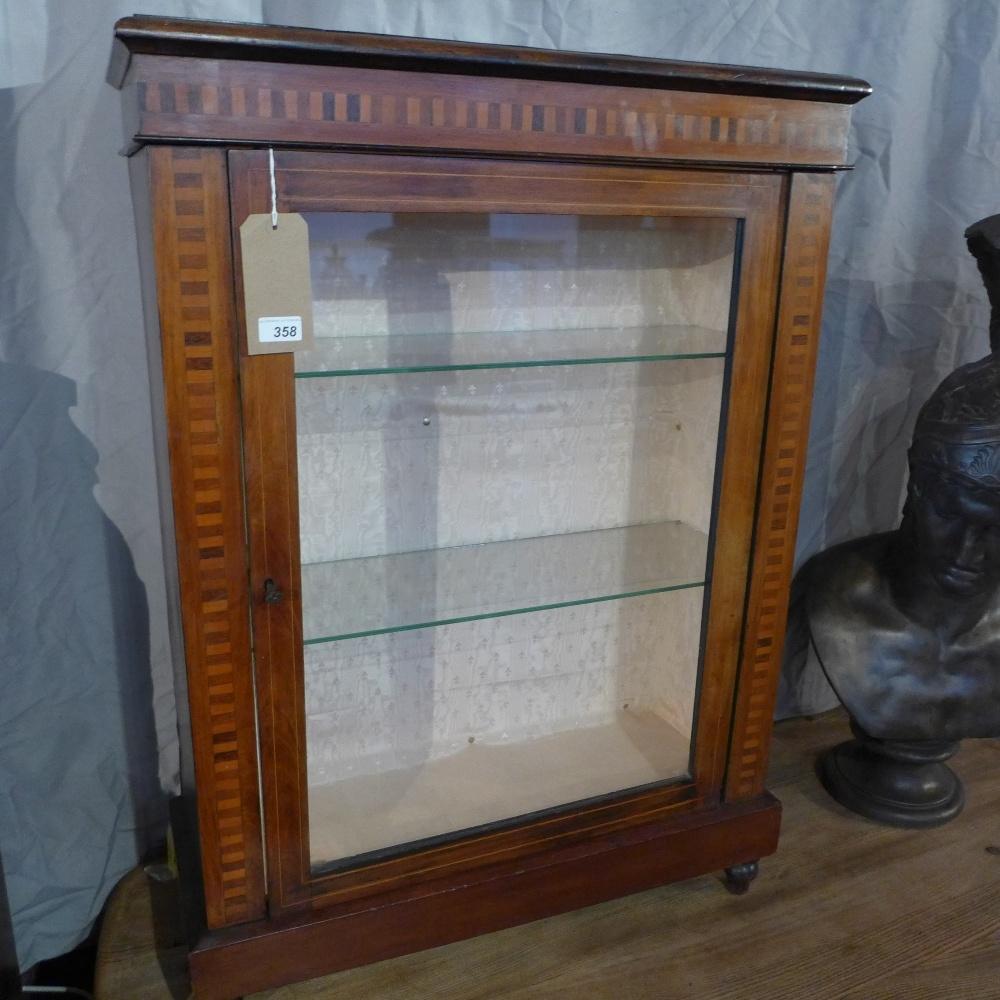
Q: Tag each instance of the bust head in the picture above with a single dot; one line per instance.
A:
(952, 512)
(983, 241)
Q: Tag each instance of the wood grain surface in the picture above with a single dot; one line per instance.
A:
(199, 100)
(846, 909)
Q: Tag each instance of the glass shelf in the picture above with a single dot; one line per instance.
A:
(391, 593)
(417, 352)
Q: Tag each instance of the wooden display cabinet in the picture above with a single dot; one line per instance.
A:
(479, 601)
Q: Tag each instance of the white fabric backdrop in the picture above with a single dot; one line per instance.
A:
(87, 738)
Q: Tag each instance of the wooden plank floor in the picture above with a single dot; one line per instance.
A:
(846, 909)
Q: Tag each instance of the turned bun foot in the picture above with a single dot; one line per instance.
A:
(898, 782)
(739, 877)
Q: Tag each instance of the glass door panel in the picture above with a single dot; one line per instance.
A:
(507, 450)
(412, 291)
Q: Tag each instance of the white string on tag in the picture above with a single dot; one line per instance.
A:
(274, 191)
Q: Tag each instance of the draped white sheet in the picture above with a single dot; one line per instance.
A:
(87, 725)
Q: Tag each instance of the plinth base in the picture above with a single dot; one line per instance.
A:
(894, 781)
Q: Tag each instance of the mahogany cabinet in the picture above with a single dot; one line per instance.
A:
(479, 595)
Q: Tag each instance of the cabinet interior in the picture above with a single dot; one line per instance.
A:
(507, 451)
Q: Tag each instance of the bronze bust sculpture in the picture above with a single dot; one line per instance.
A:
(906, 624)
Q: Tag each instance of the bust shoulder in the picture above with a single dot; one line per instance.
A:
(849, 579)
(897, 678)
(864, 643)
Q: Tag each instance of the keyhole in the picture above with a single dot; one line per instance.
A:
(272, 592)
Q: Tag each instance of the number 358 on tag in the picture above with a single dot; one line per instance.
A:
(279, 329)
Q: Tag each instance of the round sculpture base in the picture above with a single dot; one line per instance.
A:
(894, 781)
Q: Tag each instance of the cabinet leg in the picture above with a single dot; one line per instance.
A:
(739, 877)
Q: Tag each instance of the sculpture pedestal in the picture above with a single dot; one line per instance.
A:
(894, 781)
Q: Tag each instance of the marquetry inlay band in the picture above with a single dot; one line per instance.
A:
(339, 105)
(193, 273)
(800, 310)
(648, 127)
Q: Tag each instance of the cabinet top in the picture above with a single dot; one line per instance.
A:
(308, 46)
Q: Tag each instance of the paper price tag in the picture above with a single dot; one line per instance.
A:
(277, 291)
(279, 329)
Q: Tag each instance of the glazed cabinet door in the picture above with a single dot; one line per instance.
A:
(500, 512)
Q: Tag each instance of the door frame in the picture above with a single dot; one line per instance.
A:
(332, 181)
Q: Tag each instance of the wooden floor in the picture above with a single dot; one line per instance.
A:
(846, 909)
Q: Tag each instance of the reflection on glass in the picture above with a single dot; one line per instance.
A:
(414, 291)
(504, 551)
(353, 597)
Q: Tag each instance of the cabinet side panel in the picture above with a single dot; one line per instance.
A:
(799, 314)
(183, 812)
(189, 197)
(142, 207)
